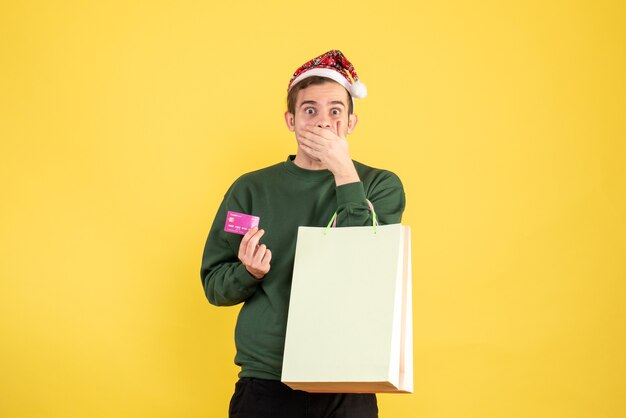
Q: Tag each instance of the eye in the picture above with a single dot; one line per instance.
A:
(309, 111)
(335, 112)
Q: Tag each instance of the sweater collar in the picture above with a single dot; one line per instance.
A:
(313, 175)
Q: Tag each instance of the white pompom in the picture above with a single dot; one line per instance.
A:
(358, 90)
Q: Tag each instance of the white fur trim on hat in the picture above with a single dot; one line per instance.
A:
(357, 89)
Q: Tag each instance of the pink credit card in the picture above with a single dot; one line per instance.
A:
(240, 223)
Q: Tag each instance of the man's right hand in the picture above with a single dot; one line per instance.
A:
(256, 258)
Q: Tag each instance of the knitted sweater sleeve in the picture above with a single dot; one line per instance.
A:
(386, 194)
(225, 279)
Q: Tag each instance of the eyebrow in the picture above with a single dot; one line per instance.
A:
(338, 102)
(313, 102)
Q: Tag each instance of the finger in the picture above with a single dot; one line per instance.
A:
(323, 134)
(317, 155)
(258, 255)
(340, 128)
(254, 241)
(311, 144)
(244, 242)
(267, 258)
(314, 136)
(264, 264)
(249, 235)
(314, 141)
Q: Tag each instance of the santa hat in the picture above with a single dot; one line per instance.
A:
(334, 65)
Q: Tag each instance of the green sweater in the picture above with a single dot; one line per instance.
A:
(285, 197)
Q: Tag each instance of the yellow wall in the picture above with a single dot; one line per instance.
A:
(122, 123)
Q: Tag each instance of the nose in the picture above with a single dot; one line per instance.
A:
(323, 123)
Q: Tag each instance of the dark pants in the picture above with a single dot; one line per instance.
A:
(260, 398)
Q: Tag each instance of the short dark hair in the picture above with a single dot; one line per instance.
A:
(311, 81)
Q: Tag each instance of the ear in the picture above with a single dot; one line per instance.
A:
(290, 120)
(352, 121)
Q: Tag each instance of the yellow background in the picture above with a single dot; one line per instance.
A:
(122, 123)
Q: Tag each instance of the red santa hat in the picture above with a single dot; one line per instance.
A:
(334, 65)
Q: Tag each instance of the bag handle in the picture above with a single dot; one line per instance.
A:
(333, 220)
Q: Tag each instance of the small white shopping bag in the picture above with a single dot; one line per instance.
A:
(350, 315)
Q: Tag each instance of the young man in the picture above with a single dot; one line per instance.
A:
(304, 190)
